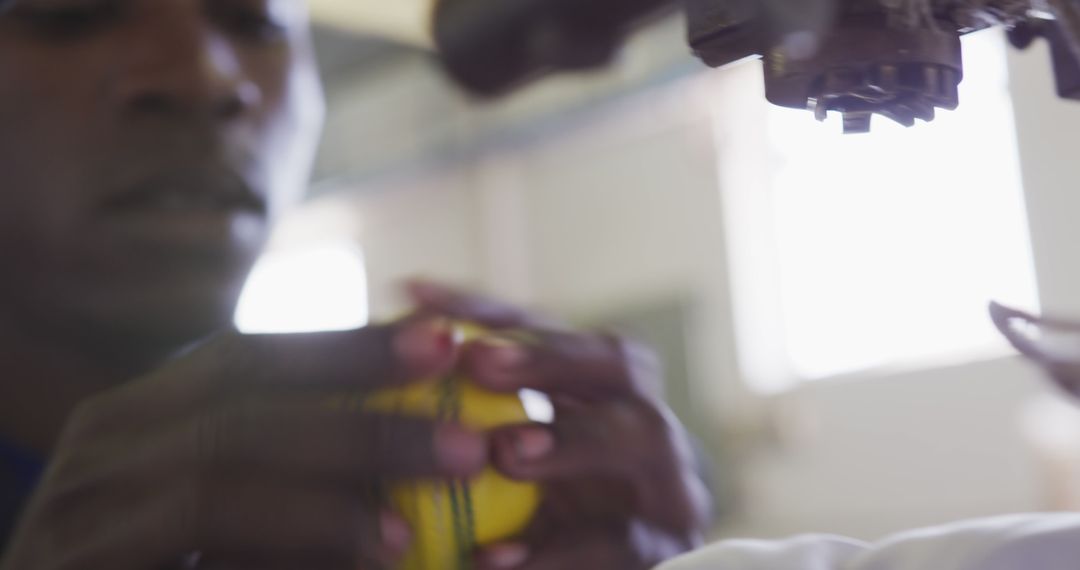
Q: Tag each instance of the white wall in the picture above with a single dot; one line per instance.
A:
(877, 453)
(624, 207)
(1048, 130)
(932, 446)
(617, 210)
(880, 455)
(427, 226)
(623, 210)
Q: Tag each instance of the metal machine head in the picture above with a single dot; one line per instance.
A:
(900, 59)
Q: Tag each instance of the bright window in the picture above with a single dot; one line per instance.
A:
(886, 247)
(308, 289)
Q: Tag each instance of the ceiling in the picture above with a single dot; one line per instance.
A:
(406, 21)
(343, 53)
(353, 36)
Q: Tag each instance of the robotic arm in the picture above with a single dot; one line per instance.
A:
(900, 59)
(897, 58)
(493, 46)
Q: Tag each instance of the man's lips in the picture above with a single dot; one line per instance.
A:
(203, 210)
(192, 190)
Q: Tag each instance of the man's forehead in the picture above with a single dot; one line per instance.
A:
(291, 14)
(282, 7)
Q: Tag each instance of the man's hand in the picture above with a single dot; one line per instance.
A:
(622, 490)
(232, 456)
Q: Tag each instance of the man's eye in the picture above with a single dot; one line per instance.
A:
(67, 20)
(253, 25)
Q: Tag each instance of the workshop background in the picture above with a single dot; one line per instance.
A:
(819, 301)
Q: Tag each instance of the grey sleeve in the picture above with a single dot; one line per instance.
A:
(1019, 542)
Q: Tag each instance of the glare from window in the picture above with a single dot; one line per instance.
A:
(890, 244)
(314, 289)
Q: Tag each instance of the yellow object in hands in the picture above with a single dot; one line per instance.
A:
(451, 518)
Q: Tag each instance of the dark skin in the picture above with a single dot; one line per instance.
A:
(103, 102)
(620, 477)
(147, 146)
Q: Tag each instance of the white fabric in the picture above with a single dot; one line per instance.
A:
(1019, 542)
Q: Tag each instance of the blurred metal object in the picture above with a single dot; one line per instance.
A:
(900, 59)
(1063, 34)
(404, 21)
(493, 46)
(1067, 15)
(860, 71)
(1062, 53)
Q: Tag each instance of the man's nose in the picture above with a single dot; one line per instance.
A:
(183, 67)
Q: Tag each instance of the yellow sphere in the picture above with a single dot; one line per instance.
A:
(450, 519)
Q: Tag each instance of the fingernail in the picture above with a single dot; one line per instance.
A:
(459, 450)
(424, 287)
(395, 532)
(507, 555)
(503, 353)
(426, 346)
(533, 444)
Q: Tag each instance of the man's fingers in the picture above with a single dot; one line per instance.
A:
(251, 522)
(631, 544)
(305, 444)
(246, 485)
(590, 367)
(308, 528)
(609, 462)
(594, 550)
(500, 556)
(363, 360)
(317, 445)
(583, 484)
(434, 298)
(527, 353)
(240, 522)
(536, 452)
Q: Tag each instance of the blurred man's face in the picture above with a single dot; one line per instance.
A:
(144, 146)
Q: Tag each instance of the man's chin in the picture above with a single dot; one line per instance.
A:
(172, 328)
(148, 324)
